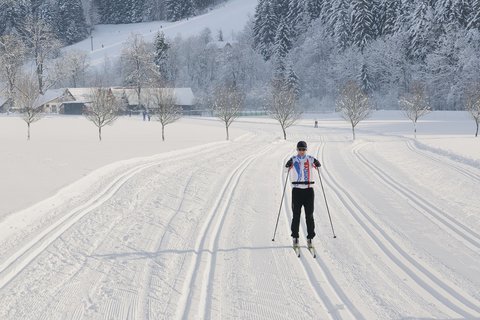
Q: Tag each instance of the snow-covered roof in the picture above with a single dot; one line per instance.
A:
(184, 96)
(50, 95)
(81, 94)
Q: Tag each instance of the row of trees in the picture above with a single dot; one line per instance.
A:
(355, 105)
(103, 109)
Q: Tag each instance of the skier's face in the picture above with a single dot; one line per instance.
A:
(301, 151)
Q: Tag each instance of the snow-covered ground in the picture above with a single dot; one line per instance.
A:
(186, 233)
(230, 17)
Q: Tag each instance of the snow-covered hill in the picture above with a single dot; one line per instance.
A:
(230, 17)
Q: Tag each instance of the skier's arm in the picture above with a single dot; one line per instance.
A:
(289, 163)
(316, 163)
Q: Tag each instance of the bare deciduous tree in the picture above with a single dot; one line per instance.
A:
(163, 103)
(282, 107)
(228, 101)
(72, 67)
(353, 104)
(472, 104)
(138, 64)
(27, 95)
(415, 104)
(12, 57)
(103, 109)
(43, 45)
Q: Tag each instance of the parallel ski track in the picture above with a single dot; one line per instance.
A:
(432, 212)
(22, 258)
(425, 279)
(316, 267)
(214, 220)
(449, 163)
(143, 298)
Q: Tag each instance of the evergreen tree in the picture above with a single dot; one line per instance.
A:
(69, 21)
(339, 23)
(365, 80)
(295, 16)
(314, 8)
(265, 29)
(161, 55)
(283, 40)
(292, 81)
(474, 18)
(388, 16)
(421, 30)
(363, 24)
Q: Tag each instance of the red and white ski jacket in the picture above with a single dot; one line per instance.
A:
(302, 171)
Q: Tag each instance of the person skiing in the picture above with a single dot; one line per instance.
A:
(303, 195)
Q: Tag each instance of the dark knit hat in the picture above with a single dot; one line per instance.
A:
(301, 144)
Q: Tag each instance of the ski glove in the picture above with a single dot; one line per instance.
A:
(316, 163)
(289, 163)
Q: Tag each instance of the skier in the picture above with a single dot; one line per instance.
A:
(302, 191)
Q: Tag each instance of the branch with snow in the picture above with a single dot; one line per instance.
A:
(103, 109)
(283, 107)
(415, 104)
(162, 103)
(353, 104)
(472, 104)
(228, 101)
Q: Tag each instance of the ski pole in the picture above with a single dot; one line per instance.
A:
(326, 203)
(281, 203)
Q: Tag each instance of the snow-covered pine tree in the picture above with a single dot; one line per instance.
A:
(339, 23)
(295, 16)
(388, 16)
(456, 12)
(265, 28)
(292, 81)
(365, 80)
(283, 40)
(314, 8)
(161, 55)
(474, 18)
(421, 30)
(363, 24)
(69, 21)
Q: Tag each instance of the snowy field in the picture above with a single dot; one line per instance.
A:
(133, 228)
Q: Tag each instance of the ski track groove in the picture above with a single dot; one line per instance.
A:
(440, 217)
(145, 309)
(13, 265)
(322, 269)
(186, 301)
(438, 289)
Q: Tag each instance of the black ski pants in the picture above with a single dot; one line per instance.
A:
(303, 198)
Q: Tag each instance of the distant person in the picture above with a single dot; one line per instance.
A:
(148, 116)
(316, 124)
(144, 113)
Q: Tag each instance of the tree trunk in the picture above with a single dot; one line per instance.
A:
(353, 132)
(476, 132)
(228, 135)
(100, 133)
(415, 130)
(40, 78)
(163, 132)
(28, 131)
(284, 133)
